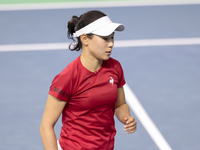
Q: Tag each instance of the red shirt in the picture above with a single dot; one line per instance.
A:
(88, 117)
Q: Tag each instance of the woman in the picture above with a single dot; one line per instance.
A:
(89, 91)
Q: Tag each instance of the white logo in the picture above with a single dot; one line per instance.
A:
(111, 80)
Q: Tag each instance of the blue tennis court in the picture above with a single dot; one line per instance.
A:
(165, 79)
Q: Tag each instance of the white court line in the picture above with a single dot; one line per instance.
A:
(97, 4)
(146, 121)
(122, 43)
(34, 47)
(130, 97)
(158, 42)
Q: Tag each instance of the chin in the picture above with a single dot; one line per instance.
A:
(106, 58)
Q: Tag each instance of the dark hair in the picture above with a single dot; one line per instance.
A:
(76, 23)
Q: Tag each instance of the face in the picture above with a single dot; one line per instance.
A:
(100, 47)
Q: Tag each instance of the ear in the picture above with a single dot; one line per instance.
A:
(84, 39)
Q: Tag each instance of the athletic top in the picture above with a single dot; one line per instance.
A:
(88, 117)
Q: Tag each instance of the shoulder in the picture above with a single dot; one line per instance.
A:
(114, 65)
(71, 68)
(113, 62)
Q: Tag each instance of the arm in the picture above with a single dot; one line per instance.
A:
(52, 112)
(122, 112)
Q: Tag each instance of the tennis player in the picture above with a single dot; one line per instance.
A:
(89, 91)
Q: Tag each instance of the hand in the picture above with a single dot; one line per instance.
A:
(130, 124)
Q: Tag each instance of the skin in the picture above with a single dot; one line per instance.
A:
(94, 51)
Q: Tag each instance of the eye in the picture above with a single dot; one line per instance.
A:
(108, 38)
(105, 39)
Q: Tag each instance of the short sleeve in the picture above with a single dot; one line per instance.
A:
(61, 86)
(120, 71)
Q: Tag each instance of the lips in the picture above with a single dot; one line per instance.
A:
(108, 52)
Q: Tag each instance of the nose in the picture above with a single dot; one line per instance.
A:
(111, 43)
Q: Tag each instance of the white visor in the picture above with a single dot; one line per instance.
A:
(102, 27)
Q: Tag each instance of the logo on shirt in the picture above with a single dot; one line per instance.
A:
(63, 93)
(111, 80)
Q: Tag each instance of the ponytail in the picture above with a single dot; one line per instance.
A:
(71, 29)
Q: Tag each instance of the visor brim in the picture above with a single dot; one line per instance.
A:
(109, 29)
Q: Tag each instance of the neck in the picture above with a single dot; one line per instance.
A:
(91, 63)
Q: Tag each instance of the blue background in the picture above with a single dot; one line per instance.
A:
(165, 79)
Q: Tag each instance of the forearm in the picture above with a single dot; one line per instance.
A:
(48, 138)
(122, 112)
